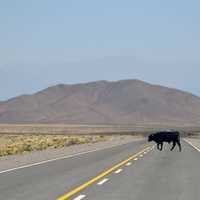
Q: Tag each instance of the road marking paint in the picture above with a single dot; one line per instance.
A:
(60, 158)
(103, 181)
(192, 145)
(100, 176)
(128, 164)
(80, 197)
(118, 171)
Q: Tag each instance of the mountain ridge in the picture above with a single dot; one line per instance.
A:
(123, 101)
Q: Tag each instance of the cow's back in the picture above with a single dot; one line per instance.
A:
(166, 136)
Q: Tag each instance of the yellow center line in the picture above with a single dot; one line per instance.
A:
(101, 175)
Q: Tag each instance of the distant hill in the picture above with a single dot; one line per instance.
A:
(103, 102)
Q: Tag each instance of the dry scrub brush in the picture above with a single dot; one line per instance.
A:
(18, 144)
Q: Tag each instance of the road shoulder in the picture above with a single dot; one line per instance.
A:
(194, 142)
(39, 157)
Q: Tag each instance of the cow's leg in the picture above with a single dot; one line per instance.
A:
(161, 146)
(158, 146)
(179, 145)
(174, 144)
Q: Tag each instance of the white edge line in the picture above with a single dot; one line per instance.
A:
(192, 145)
(80, 197)
(103, 181)
(60, 158)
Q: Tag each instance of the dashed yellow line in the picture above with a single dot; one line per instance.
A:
(100, 176)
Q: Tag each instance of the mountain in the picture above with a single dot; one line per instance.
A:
(103, 102)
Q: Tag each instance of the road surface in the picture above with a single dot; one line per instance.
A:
(131, 171)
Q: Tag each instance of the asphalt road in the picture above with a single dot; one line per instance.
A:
(128, 172)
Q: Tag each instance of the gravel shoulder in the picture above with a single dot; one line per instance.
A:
(15, 161)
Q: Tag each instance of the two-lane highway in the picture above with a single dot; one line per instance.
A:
(50, 180)
(158, 175)
(127, 172)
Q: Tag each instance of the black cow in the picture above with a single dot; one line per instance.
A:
(166, 136)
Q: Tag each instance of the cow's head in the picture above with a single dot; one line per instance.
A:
(151, 137)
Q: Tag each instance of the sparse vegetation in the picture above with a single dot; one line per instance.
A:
(18, 144)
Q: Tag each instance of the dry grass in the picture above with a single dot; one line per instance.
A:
(18, 144)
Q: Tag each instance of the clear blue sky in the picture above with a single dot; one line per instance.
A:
(45, 42)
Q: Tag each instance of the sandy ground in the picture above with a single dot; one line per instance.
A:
(14, 161)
